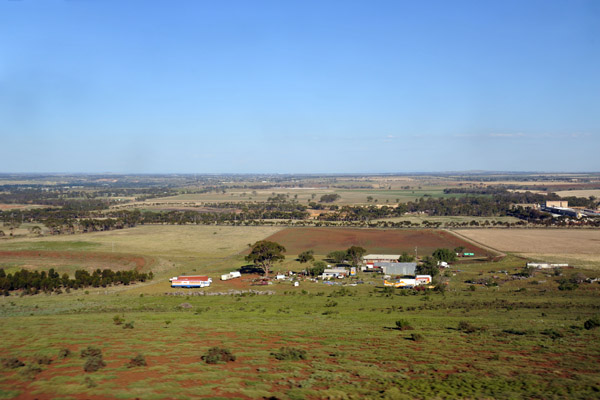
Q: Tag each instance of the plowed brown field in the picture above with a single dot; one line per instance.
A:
(385, 241)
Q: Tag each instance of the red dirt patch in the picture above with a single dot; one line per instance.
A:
(386, 241)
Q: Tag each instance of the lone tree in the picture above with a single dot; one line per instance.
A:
(318, 268)
(428, 267)
(306, 256)
(264, 254)
(337, 256)
(444, 255)
(405, 257)
(355, 254)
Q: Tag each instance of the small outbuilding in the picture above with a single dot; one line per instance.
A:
(334, 273)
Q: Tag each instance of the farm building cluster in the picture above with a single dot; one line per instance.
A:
(386, 264)
(561, 208)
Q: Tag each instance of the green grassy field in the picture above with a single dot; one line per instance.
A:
(521, 339)
(303, 195)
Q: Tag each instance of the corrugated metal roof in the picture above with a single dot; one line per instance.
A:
(392, 268)
(381, 257)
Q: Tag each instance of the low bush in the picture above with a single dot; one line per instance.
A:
(466, 327)
(89, 383)
(331, 303)
(417, 337)
(514, 332)
(403, 325)
(137, 361)
(552, 333)
(592, 323)
(215, 355)
(12, 363)
(94, 363)
(289, 353)
(128, 325)
(43, 360)
(118, 320)
(64, 353)
(30, 371)
(91, 351)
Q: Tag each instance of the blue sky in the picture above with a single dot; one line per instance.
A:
(299, 86)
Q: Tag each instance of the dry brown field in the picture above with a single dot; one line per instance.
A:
(579, 247)
(579, 193)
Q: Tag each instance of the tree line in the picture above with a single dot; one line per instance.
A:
(33, 282)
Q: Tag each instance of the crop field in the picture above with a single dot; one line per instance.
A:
(378, 241)
(302, 195)
(579, 193)
(518, 338)
(580, 247)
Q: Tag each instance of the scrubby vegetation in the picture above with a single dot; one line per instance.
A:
(216, 355)
(289, 353)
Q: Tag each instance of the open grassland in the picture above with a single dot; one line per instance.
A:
(521, 339)
(160, 240)
(580, 247)
(163, 249)
(22, 230)
(69, 262)
(378, 241)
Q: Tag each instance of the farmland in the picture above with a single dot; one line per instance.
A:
(380, 241)
(353, 348)
(578, 247)
(490, 329)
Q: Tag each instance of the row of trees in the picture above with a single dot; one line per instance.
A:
(32, 282)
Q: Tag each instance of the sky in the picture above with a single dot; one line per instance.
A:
(327, 86)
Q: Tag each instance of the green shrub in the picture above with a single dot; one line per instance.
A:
(30, 371)
(592, 323)
(515, 332)
(466, 327)
(552, 333)
(88, 382)
(118, 320)
(137, 361)
(215, 355)
(43, 360)
(289, 353)
(128, 325)
(94, 363)
(417, 337)
(12, 363)
(567, 284)
(403, 325)
(64, 353)
(91, 351)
